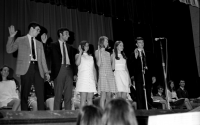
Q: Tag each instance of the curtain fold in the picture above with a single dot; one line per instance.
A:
(84, 25)
(134, 10)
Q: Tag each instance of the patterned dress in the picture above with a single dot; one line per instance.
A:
(106, 82)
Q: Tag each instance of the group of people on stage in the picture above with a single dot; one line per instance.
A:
(58, 62)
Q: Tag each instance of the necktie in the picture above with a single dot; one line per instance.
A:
(144, 59)
(64, 54)
(33, 48)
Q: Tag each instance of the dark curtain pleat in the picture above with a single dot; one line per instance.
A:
(134, 10)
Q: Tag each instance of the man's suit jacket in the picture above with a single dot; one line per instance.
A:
(24, 55)
(56, 58)
(182, 93)
(136, 67)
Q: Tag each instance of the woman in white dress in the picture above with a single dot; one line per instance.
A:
(86, 82)
(121, 72)
(8, 93)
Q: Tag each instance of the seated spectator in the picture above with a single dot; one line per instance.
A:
(182, 93)
(49, 94)
(174, 100)
(32, 100)
(154, 104)
(8, 94)
(75, 99)
(119, 112)
(90, 115)
(159, 97)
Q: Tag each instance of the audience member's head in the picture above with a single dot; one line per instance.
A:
(90, 115)
(4, 75)
(119, 112)
(160, 89)
(182, 83)
(171, 85)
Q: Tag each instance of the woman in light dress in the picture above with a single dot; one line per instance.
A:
(121, 72)
(106, 81)
(86, 82)
(8, 93)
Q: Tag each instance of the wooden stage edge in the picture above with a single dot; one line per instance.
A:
(67, 117)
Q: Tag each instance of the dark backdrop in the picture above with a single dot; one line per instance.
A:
(119, 20)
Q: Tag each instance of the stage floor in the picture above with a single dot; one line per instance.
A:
(67, 117)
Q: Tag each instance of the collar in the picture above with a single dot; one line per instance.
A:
(182, 88)
(159, 94)
(60, 41)
(29, 36)
(139, 49)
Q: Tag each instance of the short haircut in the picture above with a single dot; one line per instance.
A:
(61, 30)
(33, 24)
(101, 41)
(139, 38)
(159, 87)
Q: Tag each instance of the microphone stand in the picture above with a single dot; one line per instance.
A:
(165, 76)
(144, 85)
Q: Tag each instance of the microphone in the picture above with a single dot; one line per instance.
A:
(156, 39)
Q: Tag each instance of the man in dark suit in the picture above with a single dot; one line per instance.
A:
(142, 63)
(62, 69)
(181, 91)
(31, 63)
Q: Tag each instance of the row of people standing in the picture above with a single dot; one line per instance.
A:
(108, 81)
(32, 68)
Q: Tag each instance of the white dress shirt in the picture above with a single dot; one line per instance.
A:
(67, 56)
(29, 38)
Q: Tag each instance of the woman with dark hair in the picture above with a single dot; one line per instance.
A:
(119, 112)
(90, 115)
(106, 82)
(8, 93)
(174, 100)
(86, 82)
(121, 72)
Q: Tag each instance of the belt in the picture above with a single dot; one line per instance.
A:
(66, 65)
(34, 62)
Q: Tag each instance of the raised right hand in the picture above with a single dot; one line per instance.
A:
(12, 31)
(80, 49)
(136, 53)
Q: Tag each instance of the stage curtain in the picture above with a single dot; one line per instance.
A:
(85, 25)
(134, 10)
